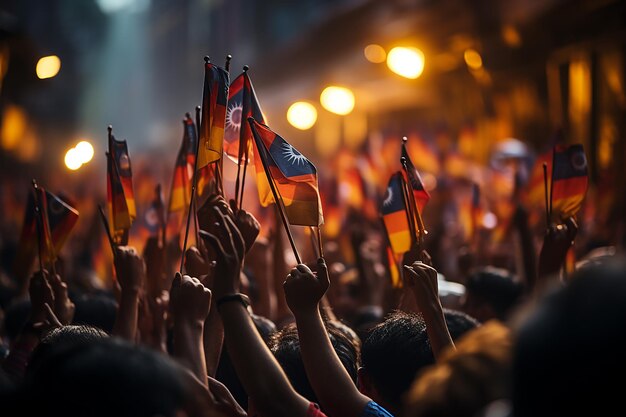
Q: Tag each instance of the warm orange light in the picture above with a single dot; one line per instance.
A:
(48, 66)
(473, 59)
(302, 115)
(13, 127)
(85, 151)
(338, 100)
(511, 36)
(72, 159)
(406, 61)
(375, 53)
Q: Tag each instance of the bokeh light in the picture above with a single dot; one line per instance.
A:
(85, 151)
(73, 159)
(406, 61)
(338, 100)
(375, 53)
(473, 59)
(302, 115)
(48, 66)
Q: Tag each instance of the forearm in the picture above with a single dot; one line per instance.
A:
(260, 374)
(188, 348)
(213, 339)
(329, 379)
(436, 327)
(127, 312)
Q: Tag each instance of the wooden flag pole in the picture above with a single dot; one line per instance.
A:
(547, 199)
(193, 194)
(319, 242)
(414, 216)
(277, 197)
(246, 151)
(46, 230)
(105, 223)
(551, 184)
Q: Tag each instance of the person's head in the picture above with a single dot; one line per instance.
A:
(393, 352)
(467, 379)
(285, 346)
(459, 322)
(491, 293)
(104, 378)
(569, 356)
(76, 335)
(396, 350)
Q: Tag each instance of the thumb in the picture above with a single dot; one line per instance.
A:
(322, 272)
(178, 278)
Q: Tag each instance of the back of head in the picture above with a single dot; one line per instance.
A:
(285, 346)
(570, 350)
(467, 379)
(74, 335)
(103, 378)
(393, 353)
(492, 293)
(459, 323)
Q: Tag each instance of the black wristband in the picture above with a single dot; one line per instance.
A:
(241, 298)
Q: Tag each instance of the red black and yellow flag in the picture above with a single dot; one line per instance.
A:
(396, 215)
(569, 180)
(58, 219)
(415, 181)
(180, 193)
(293, 174)
(214, 101)
(120, 196)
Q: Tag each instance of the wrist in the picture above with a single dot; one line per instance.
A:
(234, 297)
(306, 313)
(182, 323)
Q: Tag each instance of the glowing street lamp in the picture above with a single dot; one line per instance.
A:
(338, 100)
(375, 53)
(406, 61)
(48, 67)
(302, 115)
(73, 160)
(85, 151)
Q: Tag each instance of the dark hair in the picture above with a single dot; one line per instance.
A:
(285, 346)
(80, 335)
(104, 378)
(497, 288)
(459, 323)
(394, 352)
(15, 318)
(569, 356)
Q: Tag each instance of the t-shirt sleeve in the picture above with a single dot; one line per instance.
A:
(374, 410)
(314, 411)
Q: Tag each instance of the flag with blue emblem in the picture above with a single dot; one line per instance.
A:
(293, 174)
(395, 215)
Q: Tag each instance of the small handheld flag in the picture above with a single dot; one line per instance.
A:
(414, 180)
(214, 100)
(293, 174)
(569, 180)
(395, 215)
(121, 199)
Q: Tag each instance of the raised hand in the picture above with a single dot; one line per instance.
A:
(189, 299)
(304, 290)
(131, 272)
(63, 306)
(247, 225)
(228, 245)
(196, 264)
(422, 279)
(556, 242)
(154, 255)
(130, 268)
(40, 294)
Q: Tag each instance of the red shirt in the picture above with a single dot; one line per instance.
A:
(314, 411)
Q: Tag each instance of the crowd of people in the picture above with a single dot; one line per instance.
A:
(246, 332)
